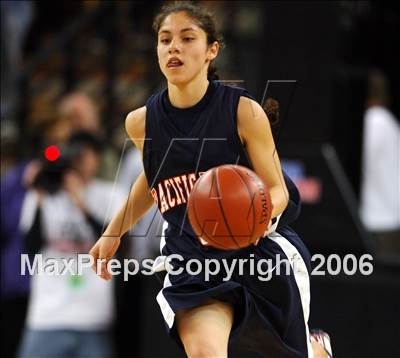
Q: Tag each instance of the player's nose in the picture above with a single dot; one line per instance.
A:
(173, 47)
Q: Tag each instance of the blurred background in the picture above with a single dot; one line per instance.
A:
(72, 70)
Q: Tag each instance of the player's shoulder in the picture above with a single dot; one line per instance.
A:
(136, 117)
(135, 122)
(252, 121)
(232, 88)
(249, 108)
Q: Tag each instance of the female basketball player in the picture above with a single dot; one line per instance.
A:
(194, 125)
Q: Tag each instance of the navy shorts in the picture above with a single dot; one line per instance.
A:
(271, 304)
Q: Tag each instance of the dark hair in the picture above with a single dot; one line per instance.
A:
(271, 108)
(202, 17)
(205, 20)
(87, 139)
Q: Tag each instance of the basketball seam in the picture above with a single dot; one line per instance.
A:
(252, 203)
(223, 212)
(197, 219)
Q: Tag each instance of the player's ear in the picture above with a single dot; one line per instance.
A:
(213, 50)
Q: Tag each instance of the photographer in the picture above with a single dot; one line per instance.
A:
(62, 215)
(15, 288)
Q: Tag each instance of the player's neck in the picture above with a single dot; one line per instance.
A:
(187, 95)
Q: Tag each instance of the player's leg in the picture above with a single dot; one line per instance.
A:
(205, 330)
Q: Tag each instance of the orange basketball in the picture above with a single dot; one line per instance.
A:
(229, 207)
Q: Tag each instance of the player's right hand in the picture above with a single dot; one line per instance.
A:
(104, 249)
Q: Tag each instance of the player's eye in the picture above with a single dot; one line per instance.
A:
(165, 41)
(188, 39)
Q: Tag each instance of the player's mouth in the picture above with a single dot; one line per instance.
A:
(174, 62)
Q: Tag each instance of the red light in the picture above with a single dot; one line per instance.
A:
(52, 153)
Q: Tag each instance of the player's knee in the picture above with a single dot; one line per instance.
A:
(201, 347)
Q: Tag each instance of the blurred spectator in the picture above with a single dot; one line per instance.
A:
(9, 147)
(51, 131)
(14, 287)
(81, 112)
(16, 17)
(380, 186)
(63, 213)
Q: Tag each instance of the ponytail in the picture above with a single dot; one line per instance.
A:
(271, 108)
(212, 74)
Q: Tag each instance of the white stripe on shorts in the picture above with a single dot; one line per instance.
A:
(302, 279)
(166, 310)
(300, 273)
(162, 240)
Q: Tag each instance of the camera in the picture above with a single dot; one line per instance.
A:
(59, 161)
(51, 175)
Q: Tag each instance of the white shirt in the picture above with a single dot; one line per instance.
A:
(380, 186)
(81, 302)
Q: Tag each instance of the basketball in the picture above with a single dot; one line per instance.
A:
(229, 207)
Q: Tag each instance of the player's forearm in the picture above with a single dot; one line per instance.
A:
(137, 204)
(279, 198)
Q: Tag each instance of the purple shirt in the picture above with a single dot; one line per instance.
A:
(13, 284)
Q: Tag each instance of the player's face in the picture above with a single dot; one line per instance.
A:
(182, 49)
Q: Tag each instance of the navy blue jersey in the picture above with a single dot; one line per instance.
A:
(181, 144)
(270, 317)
